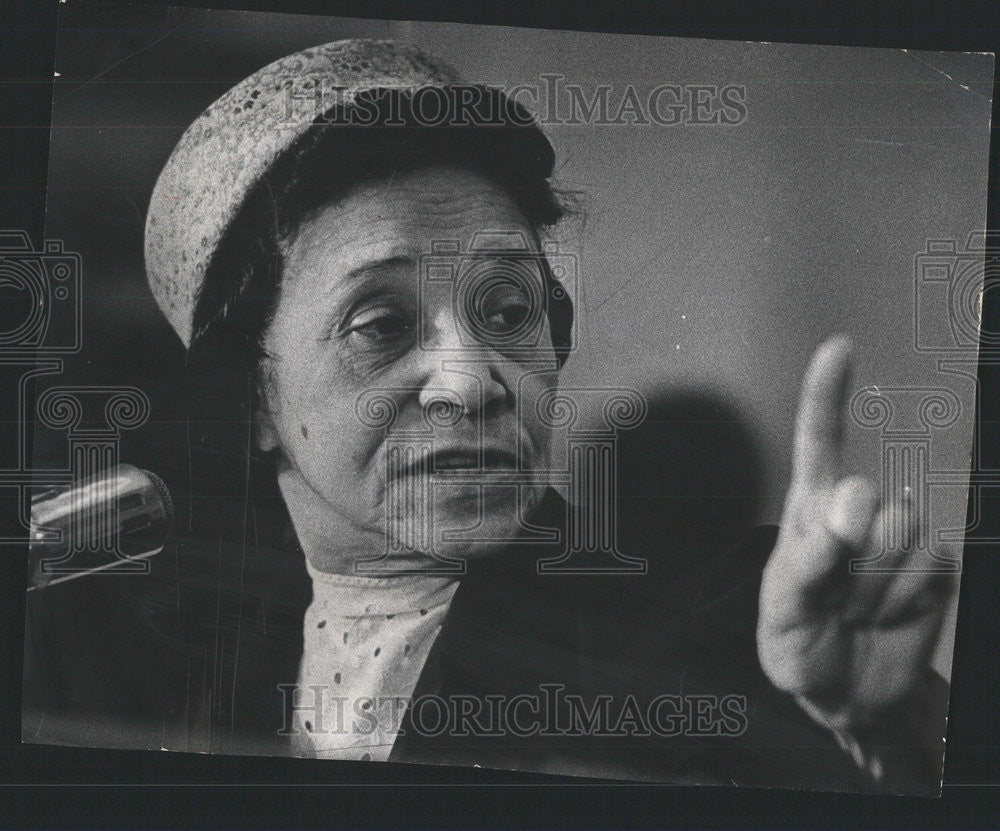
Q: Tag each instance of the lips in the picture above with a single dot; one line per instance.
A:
(461, 460)
(464, 460)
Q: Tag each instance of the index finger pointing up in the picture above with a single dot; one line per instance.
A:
(819, 426)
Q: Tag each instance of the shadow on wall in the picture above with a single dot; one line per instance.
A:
(689, 478)
(689, 491)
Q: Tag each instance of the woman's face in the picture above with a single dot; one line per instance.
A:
(401, 388)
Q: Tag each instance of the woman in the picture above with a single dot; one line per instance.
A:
(358, 577)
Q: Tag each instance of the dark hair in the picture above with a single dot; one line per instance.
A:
(241, 285)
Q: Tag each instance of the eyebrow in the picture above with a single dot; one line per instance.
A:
(371, 268)
(380, 264)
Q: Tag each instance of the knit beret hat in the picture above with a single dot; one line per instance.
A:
(236, 141)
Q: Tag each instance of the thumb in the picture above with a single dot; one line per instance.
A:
(851, 511)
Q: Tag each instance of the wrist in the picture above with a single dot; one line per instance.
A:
(902, 744)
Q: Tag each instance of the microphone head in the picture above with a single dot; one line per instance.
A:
(164, 494)
(98, 523)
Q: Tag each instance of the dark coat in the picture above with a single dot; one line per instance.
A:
(199, 655)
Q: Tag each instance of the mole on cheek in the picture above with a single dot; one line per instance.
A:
(305, 432)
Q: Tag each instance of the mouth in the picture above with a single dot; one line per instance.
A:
(458, 461)
(465, 461)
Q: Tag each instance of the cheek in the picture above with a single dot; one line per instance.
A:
(530, 392)
(339, 458)
(320, 429)
(329, 435)
(541, 438)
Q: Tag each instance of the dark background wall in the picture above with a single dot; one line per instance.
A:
(712, 259)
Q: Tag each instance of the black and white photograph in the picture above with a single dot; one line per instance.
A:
(586, 404)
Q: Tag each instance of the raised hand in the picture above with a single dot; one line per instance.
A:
(848, 646)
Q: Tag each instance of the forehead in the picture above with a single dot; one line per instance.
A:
(399, 218)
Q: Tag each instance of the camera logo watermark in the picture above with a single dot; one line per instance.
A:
(950, 278)
(41, 290)
(502, 290)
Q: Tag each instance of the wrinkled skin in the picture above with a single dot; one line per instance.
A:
(353, 320)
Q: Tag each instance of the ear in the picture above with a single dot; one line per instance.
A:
(264, 430)
(265, 433)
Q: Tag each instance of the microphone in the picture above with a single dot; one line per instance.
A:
(115, 517)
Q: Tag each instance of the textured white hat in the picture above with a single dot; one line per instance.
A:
(227, 149)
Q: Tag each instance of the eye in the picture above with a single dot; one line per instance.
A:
(504, 308)
(376, 327)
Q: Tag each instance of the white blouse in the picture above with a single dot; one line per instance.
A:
(365, 643)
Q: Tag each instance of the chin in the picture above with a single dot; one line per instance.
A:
(463, 524)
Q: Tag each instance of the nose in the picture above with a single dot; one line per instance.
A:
(458, 372)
